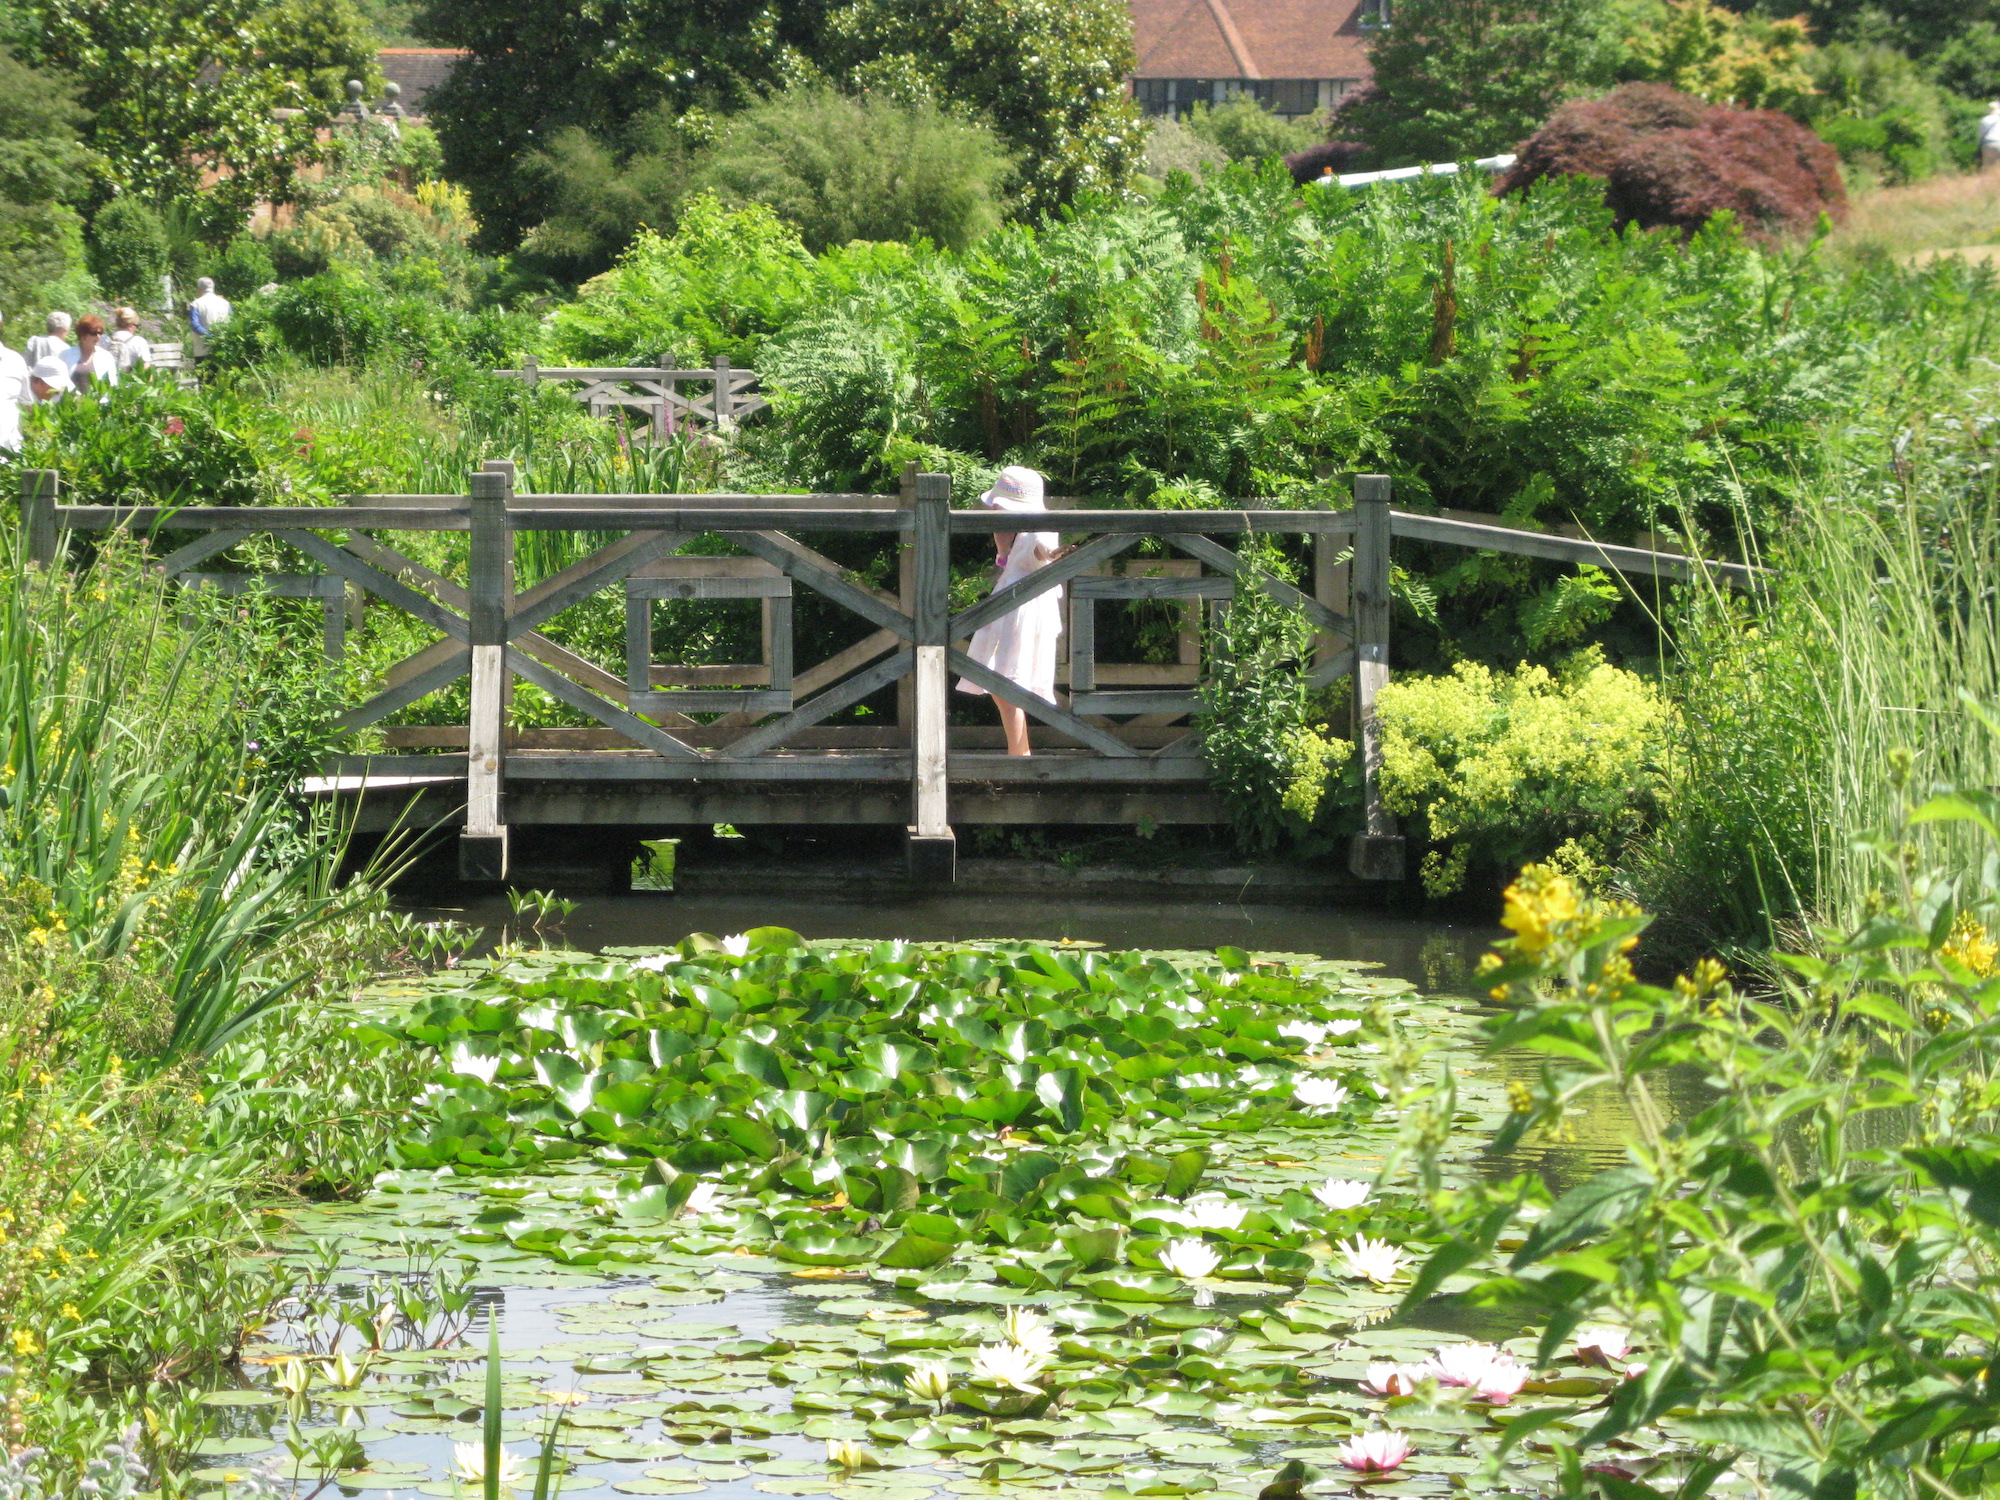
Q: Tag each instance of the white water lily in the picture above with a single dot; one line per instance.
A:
(470, 1064)
(705, 1199)
(1343, 1026)
(1189, 1259)
(1342, 1192)
(737, 945)
(845, 1453)
(1373, 1260)
(1027, 1329)
(931, 1382)
(1387, 1378)
(292, 1376)
(1312, 1033)
(1319, 1093)
(656, 962)
(343, 1373)
(469, 1465)
(1009, 1365)
(1213, 1211)
(1463, 1364)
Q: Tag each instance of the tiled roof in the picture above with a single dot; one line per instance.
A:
(417, 70)
(1249, 39)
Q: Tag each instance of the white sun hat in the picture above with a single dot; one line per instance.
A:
(53, 372)
(1017, 488)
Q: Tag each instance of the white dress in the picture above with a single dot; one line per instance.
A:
(1021, 645)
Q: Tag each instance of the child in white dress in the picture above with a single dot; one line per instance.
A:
(1020, 645)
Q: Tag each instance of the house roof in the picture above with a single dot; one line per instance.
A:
(417, 70)
(1249, 39)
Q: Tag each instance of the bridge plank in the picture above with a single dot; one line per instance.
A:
(832, 701)
(1100, 740)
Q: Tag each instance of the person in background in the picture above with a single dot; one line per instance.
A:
(1020, 645)
(90, 363)
(50, 345)
(128, 347)
(49, 381)
(14, 395)
(208, 312)
(1989, 138)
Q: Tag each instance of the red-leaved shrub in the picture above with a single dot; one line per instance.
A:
(1310, 164)
(1669, 159)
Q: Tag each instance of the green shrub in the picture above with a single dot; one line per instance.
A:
(1504, 768)
(1885, 118)
(148, 444)
(128, 249)
(720, 285)
(841, 168)
(335, 317)
(1172, 147)
(244, 266)
(1243, 130)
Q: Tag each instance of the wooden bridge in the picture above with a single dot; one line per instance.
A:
(1118, 749)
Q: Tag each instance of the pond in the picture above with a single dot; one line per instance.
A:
(1009, 1214)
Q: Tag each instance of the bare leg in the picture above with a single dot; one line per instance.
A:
(1015, 721)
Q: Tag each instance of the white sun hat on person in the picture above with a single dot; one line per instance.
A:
(1017, 487)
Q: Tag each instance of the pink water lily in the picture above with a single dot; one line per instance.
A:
(1502, 1381)
(1604, 1347)
(1375, 1452)
(1462, 1364)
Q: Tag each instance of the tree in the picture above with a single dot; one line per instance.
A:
(1715, 54)
(541, 67)
(42, 164)
(1467, 78)
(1049, 74)
(182, 95)
(841, 169)
(1243, 130)
(128, 249)
(598, 200)
(1919, 27)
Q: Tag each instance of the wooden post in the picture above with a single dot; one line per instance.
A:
(663, 422)
(482, 846)
(531, 373)
(1331, 588)
(508, 584)
(725, 400)
(906, 590)
(1376, 853)
(39, 488)
(933, 848)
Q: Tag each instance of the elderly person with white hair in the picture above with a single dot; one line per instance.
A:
(128, 346)
(53, 344)
(208, 312)
(1020, 645)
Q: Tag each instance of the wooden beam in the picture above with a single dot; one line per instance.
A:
(1100, 740)
(1376, 853)
(931, 636)
(482, 844)
(1564, 549)
(1050, 576)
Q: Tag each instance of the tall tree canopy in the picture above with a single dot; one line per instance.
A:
(180, 96)
(1466, 78)
(42, 164)
(541, 67)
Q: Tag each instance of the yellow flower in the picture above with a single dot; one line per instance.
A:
(1968, 943)
(25, 1342)
(1537, 904)
(69, 1311)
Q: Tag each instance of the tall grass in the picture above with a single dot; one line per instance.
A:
(160, 893)
(1808, 713)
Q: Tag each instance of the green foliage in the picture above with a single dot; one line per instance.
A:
(1172, 147)
(42, 166)
(841, 169)
(598, 200)
(1243, 130)
(1718, 55)
(1826, 1206)
(128, 249)
(149, 444)
(1509, 767)
(544, 67)
(1048, 74)
(1468, 78)
(244, 266)
(322, 44)
(724, 281)
(135, 67)
(1568, 609)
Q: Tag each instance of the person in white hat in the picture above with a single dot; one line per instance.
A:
(1020, 645)
(50, 380)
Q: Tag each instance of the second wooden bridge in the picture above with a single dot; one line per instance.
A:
(1118, 750)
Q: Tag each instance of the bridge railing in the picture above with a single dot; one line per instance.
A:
(492, 632)
(721, 394)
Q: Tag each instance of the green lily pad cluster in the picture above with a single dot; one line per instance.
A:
(903, 1221)
(895, 1106)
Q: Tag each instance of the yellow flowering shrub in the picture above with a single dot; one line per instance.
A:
(1508, 768)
